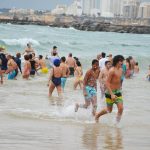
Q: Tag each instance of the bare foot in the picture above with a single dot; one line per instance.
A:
(76, 107)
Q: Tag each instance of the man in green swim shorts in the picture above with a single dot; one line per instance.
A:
(113, 85)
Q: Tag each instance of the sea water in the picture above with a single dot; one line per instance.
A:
(29, 119)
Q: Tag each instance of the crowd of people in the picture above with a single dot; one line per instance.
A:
(109, 71)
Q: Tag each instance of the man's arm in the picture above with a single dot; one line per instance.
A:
(108, 82)
(85, 82)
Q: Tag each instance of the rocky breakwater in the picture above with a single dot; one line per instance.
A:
(108, 27)
(89, 25)
(81, 23)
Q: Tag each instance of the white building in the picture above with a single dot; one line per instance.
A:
(131, 8)
(87, 6)
(144, 10)
(116, 7)
(75, 8)
(22, 11)
(60, 9)
(106, 8)
(91, 7)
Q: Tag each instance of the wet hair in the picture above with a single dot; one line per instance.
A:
(106, 62)
(54, 47)
(130, 57)
(28, 44)
(40, 56)
(103, 55)
(63, 59)
(18, 55)
(136, 63)
(76, 59)
(94, 61)
(70, 54)
(117, 58)
(128, 60)
(9, 56)
(26, 57)
(78, 63)
(30, 56)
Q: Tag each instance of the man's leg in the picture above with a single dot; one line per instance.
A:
(104, 111)
(120, 111)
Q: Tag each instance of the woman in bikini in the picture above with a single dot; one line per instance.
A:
(78, 76)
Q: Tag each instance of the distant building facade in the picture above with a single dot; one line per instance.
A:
(60, 9)
(21, 11)
(75, 8)
(131, 8)
(144, 10)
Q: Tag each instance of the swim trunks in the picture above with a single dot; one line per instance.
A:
(63, 82)
(91, 92)
(71, 71)
(110, 102)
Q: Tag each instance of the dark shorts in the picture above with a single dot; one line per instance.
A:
(56, 81)
(32, 72)
(71, 71)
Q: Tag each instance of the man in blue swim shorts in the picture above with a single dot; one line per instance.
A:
(90, 87)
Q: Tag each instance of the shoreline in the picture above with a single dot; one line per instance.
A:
(86, 25)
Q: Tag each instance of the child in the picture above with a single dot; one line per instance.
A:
(90, 87)
(42, 65)
(136, 68)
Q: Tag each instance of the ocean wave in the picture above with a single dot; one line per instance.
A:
(22, 41)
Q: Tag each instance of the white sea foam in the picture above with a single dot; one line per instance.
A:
(22, 41)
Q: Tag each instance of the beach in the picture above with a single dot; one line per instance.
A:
(32, 120)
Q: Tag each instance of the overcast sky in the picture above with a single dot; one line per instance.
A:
(35, 4)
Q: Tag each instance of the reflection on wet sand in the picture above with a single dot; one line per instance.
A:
(113, 139)
(90, 135)
(96, 137)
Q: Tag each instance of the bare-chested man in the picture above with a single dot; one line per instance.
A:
(65, 72)
(113, 93)
(103, 77)
(71, 64)
(90, 87)
(28, 50)
(55, 78)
